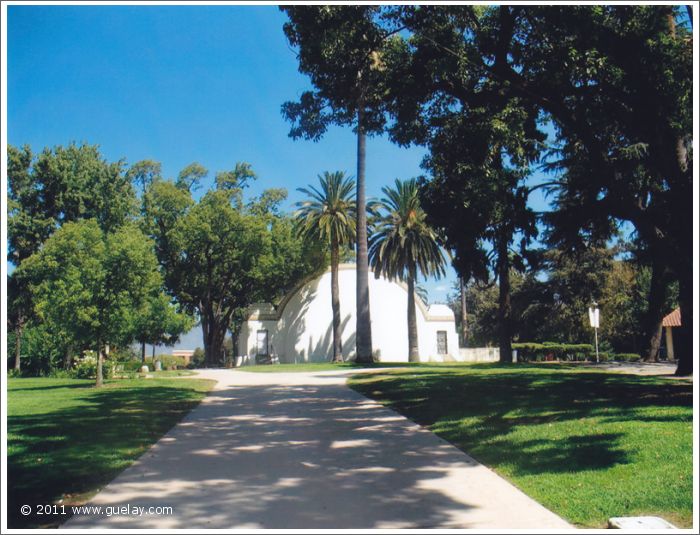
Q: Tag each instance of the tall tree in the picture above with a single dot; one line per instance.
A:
(158, 321)
(54, 187)
(220, 255)
(88, 281)
(340, 48)
(143, 173)
(613, 82)
(19, 309)
(463, 323)
(616, 83)
(329, 216)
(403, 246)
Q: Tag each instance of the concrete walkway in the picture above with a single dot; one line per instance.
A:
(302, 450)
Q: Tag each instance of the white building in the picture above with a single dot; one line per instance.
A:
(300, 328)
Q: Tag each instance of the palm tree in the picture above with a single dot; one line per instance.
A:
(329, 215)
(403, 245)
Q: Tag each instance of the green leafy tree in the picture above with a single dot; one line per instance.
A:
(54, 187)
(19, 310)
(613, 82)
(158, 321)
(329, 216)
(220, 255)
(144, 173)
(478, 199)
(88, 281)
(403, 245)
(341, 48)
(190, 178)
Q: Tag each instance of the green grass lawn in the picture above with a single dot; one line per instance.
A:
(67, 439)
(589, 445)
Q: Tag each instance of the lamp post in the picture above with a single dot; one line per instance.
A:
(594, 318)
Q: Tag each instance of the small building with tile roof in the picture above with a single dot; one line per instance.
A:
(669, 322)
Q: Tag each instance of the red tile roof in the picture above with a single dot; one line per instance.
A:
(673, 319)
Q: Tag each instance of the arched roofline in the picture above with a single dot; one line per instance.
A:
(279, 308)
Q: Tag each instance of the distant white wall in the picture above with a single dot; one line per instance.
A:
(479, 354)
(301, 330)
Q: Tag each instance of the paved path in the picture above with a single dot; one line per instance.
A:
(302, 450)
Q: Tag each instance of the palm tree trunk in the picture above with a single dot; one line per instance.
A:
(413, 355)
(463, 313)
(335, 303)
(18, 345)
(364, 325)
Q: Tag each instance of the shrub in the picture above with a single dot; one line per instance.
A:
(628, 357)
(197, 359)
(528, 351)
(85, 367)
(167, 361)
(603, 356)
(13, 373)
(131, 366)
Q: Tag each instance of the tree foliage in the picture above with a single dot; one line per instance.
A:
(158, 321)
(86, 282)
(403, 246)
(328, 216)
(613, 83)
(220, 255)
(550, 303)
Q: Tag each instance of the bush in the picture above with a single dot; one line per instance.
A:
(85, 367)
(167, 361)
(531, 351)
(131, 366)
(13, 373)
(628, 357)
(606, 356)
(197, 359)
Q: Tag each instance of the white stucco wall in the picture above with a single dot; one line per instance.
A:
(301, 331)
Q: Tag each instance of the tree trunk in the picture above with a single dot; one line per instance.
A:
(335, 302)
(18, 345)
(655, 309)
(413, 355)
(683, 335)
(68, 357)
(214, 331)
(143, 353)
(364, 324)
(504, 309)
(463, 313)
(98, 375)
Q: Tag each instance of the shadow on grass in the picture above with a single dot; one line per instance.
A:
(74, 451)
(479, 412)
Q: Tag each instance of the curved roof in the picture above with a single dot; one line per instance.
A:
(440, 311)
(267, 311)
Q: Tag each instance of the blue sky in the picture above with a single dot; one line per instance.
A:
(178, 84)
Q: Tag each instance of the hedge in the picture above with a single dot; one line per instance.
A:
(531, 351)
(528, 351)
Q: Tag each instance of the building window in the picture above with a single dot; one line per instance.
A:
(442, 342)
(262, 343)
